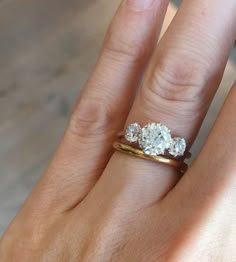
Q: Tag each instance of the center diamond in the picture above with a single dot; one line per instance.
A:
(154, 139)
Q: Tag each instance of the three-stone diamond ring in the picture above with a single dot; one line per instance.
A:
(155, 139)
(153, 142)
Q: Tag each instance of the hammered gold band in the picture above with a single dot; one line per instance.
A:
(128, 149)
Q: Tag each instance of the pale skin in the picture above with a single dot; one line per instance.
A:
(93, 204)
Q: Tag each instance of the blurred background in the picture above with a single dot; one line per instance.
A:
(47, 50)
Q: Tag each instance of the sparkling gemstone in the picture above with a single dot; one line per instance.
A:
(177, 146)
(132, 132)
(154, 139)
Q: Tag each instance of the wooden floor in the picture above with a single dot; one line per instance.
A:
(47, 50)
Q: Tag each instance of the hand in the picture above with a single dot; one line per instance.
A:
(95, 205)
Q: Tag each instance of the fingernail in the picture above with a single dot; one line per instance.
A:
(140, 4)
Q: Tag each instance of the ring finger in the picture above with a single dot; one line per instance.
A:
(181, 80)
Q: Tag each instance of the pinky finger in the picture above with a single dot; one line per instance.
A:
(213, 172)
(207, 191)
(203, 201)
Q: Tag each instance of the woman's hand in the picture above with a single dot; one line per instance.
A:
(92, 205)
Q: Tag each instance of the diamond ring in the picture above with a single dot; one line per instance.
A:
(155, 139)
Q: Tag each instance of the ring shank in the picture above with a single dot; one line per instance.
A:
(127, 149)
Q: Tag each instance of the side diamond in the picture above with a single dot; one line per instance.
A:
(177, 146)
(132, 132)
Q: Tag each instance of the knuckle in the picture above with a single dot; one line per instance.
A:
(92, 118)
(127, 47)
(116, 241)
(177, 79)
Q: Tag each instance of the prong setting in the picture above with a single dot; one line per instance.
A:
(132, 132)
(155, 139)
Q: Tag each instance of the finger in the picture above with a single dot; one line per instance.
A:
(206, 194)
(213, 171)
(180, 83)
(103, 104)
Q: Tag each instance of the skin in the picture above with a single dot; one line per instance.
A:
(93, 204)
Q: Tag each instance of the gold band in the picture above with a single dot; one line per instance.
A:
(127, 149)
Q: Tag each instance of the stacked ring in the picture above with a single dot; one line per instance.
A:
(153, 142)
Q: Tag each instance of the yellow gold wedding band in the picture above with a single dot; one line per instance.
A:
(127, 149)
